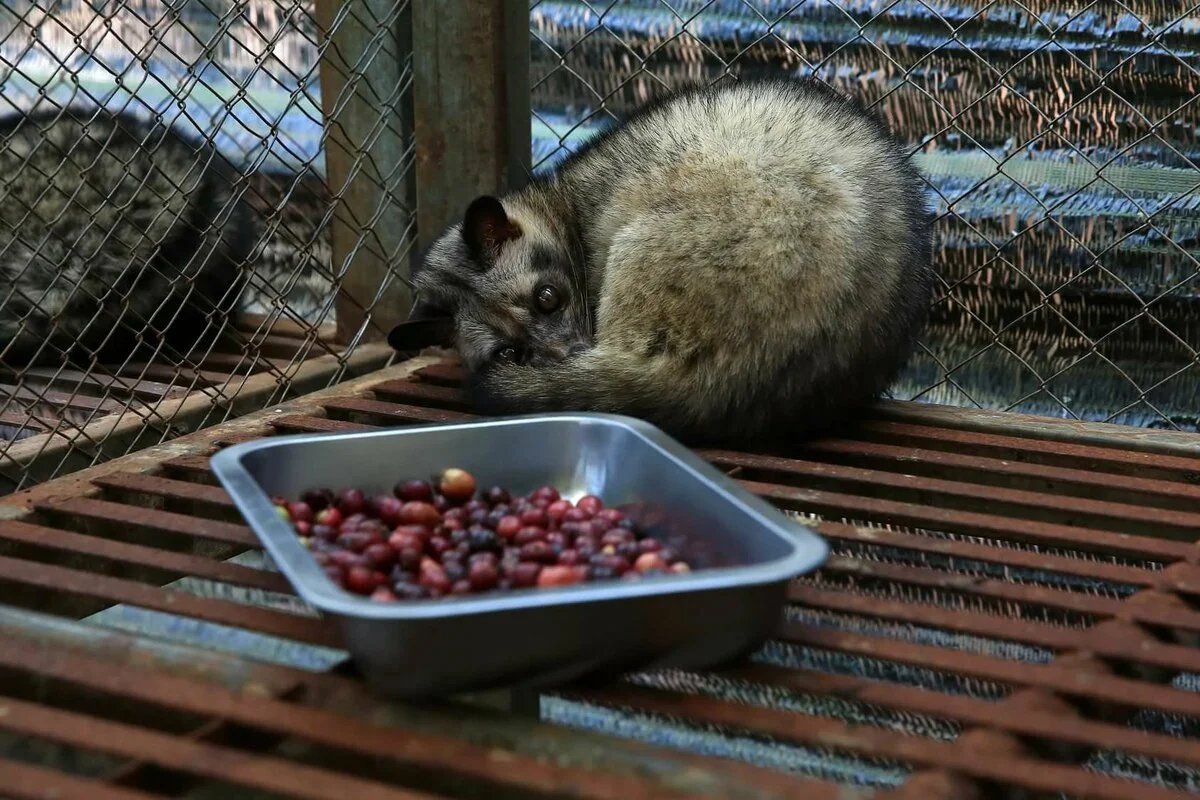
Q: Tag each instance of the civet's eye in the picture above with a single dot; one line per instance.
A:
(547, 298)
(507, 355)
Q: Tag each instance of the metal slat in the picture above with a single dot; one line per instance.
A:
(1025, 719)
(1017, 448)
(393, 412)
(208, 497)
(1012, 769)
(1064, 680)
(1124, 517)
(1144, 651)
(106, 660)
(890, 512)
(71, 543)
(302, 423)
(1001, 556)
(118, 590)
(171, 752)
(29, 782)
(150, 519)
(1028, 595)
(1047, 478)
(427, 395)
(368, 740)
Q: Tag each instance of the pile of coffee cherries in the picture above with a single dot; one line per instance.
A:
(437, 538)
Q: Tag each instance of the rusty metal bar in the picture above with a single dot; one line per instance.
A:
(1060, 679)
(444, 373)
(839, 505)
(1011, 769)
(299, 423)
(404, 745)
(69, 543)
(392, 412)
(1039, 477)
(1007, 556)
(80, 654)
(1013, 502)
(1101, 459)
(1028, 595)
(171, 752)
(1051, 429)
(118, 590)
(29, 782)
(1141, 649)
(1037, 724)
(133, 517)
(206, 497)
(426, 394)
(192, 465)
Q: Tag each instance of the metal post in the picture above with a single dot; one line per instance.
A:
(363, 69)
(470, 104)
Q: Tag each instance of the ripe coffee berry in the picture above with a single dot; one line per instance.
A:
(389, 510)
(362, 580)
(529, 534)
(457, 485)
(380, 555)
(561, 576)
(352, 501)
(430, 539)
(590, 505)
(508, 526)
(414, 490)
(557, 510)
(417, 512)
(483, 575)
(535, 517)
(611, 516)
(300, 512)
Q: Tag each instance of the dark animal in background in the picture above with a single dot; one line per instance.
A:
(117, 235)
(734, 264)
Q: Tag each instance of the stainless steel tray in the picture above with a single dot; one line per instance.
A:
(538, 637)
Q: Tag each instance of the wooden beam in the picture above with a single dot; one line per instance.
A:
(366, 73)
(470, 104)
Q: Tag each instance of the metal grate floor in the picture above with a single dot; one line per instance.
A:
(1010, 610)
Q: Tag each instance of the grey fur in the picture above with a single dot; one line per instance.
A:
(741, 263)
(116, 235)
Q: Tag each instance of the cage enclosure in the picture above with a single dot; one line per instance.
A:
(1010, 606)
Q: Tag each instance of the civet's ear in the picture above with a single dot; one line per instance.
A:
(427, 326)
(486, 227)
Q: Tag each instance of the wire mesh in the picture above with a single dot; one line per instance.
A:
(1058, 140)
(189, 212)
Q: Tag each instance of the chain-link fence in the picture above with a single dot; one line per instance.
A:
(1059, 141)
(191, 196)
